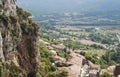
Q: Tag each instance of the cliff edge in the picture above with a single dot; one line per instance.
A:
(19, 35)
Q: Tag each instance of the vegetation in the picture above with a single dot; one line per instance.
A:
(5, 19)
(60, 64)
(21, 19)
(11, 70)
(13, 26)
(47, 69)
(98, 51)
(63, 73)
(106, 74)
(71, 39)
(95, 59)
(96, 46)
(27, 25)
(23, 14)
(112, 57)
(105, 39)
(63, 53)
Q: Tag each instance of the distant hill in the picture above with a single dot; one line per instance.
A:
(48, 6)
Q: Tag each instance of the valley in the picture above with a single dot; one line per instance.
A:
(83, 48)
(59, 38)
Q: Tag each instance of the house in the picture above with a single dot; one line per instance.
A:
(111, 69)
(93, 70)
(85, 71)
(93, 66)
(93, 73)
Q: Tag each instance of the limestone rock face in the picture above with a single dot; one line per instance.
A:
(7, 7)
(19, 37)
(1, 50)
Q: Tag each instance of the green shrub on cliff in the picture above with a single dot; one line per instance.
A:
(47, 69)
(106, 74)
(22, 13)
(11, 70)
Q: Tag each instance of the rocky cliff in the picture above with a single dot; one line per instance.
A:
(19, 53)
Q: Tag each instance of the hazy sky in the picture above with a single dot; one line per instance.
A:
(69, 5)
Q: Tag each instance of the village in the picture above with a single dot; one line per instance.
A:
(78, 65)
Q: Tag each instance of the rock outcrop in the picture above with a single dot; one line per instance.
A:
(19, 35)
(8, 7)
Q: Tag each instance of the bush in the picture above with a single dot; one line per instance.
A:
(82, 53)
(63, 54)
(106, 74)
(11, 70)
(95, 60)
(60, 64)
(5, 19)
(46, 68)
(96, 46)
(23, 14)
(14, 19)
(62, 73)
